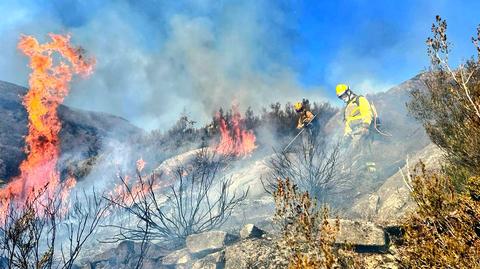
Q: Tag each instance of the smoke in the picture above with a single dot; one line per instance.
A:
(157, 59)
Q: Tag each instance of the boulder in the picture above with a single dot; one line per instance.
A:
(125, 255)
(212, 261)
(391, 202)
(251, 231)
(363, 235)
(249, 253)
(208, 242)
(181, 256)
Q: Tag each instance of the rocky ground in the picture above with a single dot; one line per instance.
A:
(250, 248)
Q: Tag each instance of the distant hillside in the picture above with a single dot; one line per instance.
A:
(81, 136)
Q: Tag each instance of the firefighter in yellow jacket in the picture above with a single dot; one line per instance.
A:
(306, 116)
(305, 120)
(359, 116)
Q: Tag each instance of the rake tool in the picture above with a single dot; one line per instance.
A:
(299, 133)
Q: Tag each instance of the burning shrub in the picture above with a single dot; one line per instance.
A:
(235, 139)
(194, 199)
(49, 84)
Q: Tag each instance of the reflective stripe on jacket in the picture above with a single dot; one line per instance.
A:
(358, 113)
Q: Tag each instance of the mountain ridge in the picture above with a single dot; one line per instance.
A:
(81, 136)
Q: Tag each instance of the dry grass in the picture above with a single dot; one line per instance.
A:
(307, 236)
(445, 230)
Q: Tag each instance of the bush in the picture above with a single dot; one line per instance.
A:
(444, 232)
(307, 238)
(450, 107)
(314, 167)
(192, 198)
(32, 230)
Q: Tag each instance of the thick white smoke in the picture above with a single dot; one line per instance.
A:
(157, 59)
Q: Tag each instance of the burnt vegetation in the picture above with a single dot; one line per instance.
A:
(315, 167)
(307, 236)
(194, 197)
(41, 234)
(191, 199)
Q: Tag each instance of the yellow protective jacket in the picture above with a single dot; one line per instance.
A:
(305, 117)
(358, 114)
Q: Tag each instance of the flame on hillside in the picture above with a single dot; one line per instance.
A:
(48, 86)
(235, 139)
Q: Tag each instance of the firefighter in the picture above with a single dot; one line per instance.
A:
(359, 118)
(306, 116)
(305, 120)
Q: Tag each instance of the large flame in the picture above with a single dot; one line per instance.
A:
(49, 85)
(235, 140)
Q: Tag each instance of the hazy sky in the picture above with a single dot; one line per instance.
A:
(157, 59)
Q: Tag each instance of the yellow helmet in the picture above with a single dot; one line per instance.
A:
(298, 106)
(341, 89)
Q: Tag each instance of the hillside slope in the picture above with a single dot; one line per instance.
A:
(408, 139)
(82, 134)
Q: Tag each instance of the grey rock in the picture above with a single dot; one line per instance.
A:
(212, 261)
(208, 241)
(250, 230)
(391, 202)
(360, 234)
(126, 255)
(250, 253)
(181, 256)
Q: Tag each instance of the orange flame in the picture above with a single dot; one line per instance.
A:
(49, 85)
(236, 140)
(130, 191)
(140, 164)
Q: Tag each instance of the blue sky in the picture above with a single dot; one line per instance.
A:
(157, 59)
(381, 40)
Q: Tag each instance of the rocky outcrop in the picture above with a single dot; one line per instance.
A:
(363, 235)
(181, 256)
(125, 256)
(208, 242)
(219, 249)
(212, 261)
(392, 201)
(251, 231)
(250, 253)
